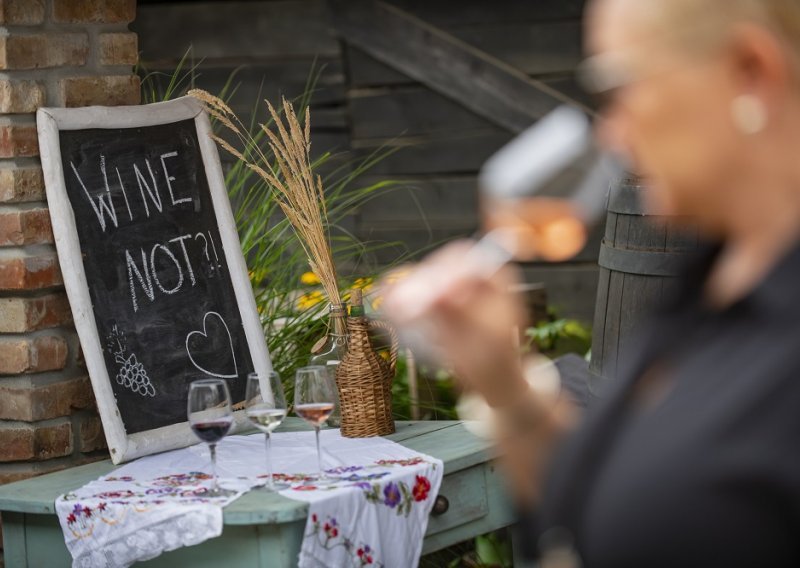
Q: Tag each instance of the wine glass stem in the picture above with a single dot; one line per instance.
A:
(268, 443)
(319, 455)
(213, 449)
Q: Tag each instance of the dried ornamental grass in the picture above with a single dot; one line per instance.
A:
(296, 188)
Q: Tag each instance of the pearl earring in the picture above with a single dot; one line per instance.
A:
(749, 114)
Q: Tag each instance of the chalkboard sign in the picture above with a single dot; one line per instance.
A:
(152, 264)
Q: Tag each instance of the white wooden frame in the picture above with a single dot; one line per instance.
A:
(122, 446)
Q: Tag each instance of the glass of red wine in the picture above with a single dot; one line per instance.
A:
(265, 407)
(210, 416)
(314, 396)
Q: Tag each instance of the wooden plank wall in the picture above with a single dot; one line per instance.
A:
(266, 48)
(362, 104)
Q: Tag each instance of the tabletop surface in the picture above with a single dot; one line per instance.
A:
(449, 441)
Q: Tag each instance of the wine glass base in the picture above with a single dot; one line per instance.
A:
(276, 486)
(219, 492)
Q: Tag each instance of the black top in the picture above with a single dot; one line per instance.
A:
(709, 475)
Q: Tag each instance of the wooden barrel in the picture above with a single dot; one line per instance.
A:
(640, 256)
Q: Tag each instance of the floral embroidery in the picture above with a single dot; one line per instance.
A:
(289, 477)
(344, 469)
(404, 463)
(364, 555)
(329, 536)
(79, 521)
(125, 478)
(422, 487)
(112, 507)
(397, 495)
(391, 494)
(179, 479)
(359, 480)
(356, 478)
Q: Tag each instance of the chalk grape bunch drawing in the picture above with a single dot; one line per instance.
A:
(132, 374)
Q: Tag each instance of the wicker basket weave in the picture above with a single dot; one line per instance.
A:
(364, 380)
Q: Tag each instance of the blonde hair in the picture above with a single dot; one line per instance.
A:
(782, 17)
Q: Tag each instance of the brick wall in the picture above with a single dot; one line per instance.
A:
(52, 53)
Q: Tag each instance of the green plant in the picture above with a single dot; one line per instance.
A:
(555, 337)
(290, 313)
(436, 393)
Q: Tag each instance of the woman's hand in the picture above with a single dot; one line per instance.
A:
(469, 319)
(465, 317)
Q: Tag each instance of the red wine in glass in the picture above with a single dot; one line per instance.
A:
(212, 431)
(210, 417)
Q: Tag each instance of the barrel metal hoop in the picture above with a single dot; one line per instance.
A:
(649, 263)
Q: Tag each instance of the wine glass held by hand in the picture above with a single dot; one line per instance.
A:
(265, 406)
(314, 400)
(211, 417)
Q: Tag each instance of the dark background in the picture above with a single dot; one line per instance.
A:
(361, 104)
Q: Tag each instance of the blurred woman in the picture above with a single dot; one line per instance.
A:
(691, 458)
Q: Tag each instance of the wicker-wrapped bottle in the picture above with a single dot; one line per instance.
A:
(364, 378)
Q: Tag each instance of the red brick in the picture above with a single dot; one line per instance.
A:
(16, 442)
(21, 184)
(110, 90)
(119, 49)
(40, 441)
(32, 354)
(33, 403)
(94, 11)
(53, 441)
(30, 272)
(14, 355)
(18, 141)
(41, 50)
(25, 227)
(19, 315)
(21, 12)
(91, 436)
(21, 96)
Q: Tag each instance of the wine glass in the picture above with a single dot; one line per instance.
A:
(210, 416)
(265, 406)
(314, 400)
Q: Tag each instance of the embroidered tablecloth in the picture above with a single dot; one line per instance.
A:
(375, 514)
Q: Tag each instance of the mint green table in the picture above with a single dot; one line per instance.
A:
(264, 529)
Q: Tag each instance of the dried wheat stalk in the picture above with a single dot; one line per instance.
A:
(298, 190)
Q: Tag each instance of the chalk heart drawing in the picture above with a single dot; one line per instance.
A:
(202, 343)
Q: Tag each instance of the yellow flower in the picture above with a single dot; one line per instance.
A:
(309, 278)
(257, 276)
(397, 274)
(310, 300)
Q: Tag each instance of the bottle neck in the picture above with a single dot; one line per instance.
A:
(338, 326)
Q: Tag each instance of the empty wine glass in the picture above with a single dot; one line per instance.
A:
(314, 400)
(210, 416)
(265, 406)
